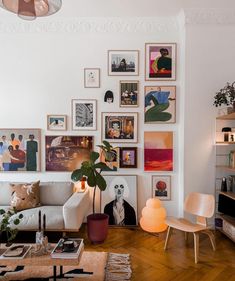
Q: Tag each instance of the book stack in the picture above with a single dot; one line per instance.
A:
(15, 252)
(68, 248)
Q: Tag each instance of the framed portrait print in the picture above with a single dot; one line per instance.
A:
(66, 153)
(119, 200)
(160, 104)
(120, 127)
(160, 61)
(128, 157)
(129, 93)
(56, 122)
(91, 77)
(161, 187)
(123, 63)
(112, 163)
(158, 151)
(83, 114)
(20, 150)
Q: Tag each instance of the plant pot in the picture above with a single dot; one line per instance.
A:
(97, 227)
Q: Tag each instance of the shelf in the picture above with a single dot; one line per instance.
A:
(225, 167)
(228, 194)
(230, 116)
(225, 233)
(229, 219)
(225, 142)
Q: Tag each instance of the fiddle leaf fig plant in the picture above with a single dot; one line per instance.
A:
(92, 169)
(225, 95)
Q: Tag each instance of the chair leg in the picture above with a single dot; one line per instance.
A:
(212, 238)
(169, 231)
(196, 246)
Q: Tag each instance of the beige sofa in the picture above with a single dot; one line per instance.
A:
(64, 210)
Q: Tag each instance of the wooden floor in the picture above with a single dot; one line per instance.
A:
(151, 263)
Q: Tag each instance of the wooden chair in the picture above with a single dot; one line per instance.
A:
(203, 207)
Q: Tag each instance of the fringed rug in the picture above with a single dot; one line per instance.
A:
(105, 266)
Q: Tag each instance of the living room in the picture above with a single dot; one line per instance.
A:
(82, 75)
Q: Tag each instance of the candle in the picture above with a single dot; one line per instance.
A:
(39, 221)
(44, 223)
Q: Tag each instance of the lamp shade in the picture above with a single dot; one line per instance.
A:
(31, 9)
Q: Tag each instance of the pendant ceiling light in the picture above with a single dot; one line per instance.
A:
(31, 9)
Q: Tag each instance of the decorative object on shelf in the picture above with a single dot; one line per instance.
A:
(153, 216)
(161, 187)
(97, 223)
(160, 104)
(231, 180)
(224, 184)
(123, 63)
(31, 9)
(226, 131)
(225, 95)
(128, 157)
(56, 122)
(109, 97)
(160, 61)
(129, 93)
(91, 77)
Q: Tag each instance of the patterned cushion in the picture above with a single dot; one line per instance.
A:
(25, 196)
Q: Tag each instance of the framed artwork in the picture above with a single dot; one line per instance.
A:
(66, 153)
(119, 200)
(123, 63)
(158, 151)
(129, 93)
(113, 164)
(161, 187)
(91, 77)
(119, 127)
(20, 150)
(159, 104)
(83, 114)
(160, 61)
(56, 122)
(128, 157)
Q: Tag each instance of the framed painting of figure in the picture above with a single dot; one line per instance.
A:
(161, 187)
(129, 93)
(65, 153)
(160, 61)
(20, 150)
(113, 162)
(119, 127)
(91, 77)
(158, 151)
(128, 157)
(56, 122)
(119, 200)
(159, 104)
(123, 63)
(83, 114)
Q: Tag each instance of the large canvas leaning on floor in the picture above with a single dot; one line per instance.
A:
(119, 200)
(66, 153)
(20, 150)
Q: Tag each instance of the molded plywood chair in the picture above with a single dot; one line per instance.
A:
(203, 207)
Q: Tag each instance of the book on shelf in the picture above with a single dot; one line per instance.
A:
(15, 252)
(68, 248)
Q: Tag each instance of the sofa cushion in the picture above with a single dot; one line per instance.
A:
(25, 196)
(55, 193)
(5, 194)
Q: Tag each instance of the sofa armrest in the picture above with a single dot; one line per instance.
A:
(75, 209)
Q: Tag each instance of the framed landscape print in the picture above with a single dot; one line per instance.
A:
(66, 153)
(112, 163)
(119, 200)
(83, 114)
(129, 93)
(20, 150)
(160, 61)
(91, 77)
(123, 63)
(161, 187)
(128, 157)
(56, 122)
(119, 127)
(160, 104)
(158, 151)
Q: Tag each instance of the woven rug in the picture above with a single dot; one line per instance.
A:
(105, 266)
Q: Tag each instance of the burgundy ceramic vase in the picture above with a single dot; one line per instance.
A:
(97, 227)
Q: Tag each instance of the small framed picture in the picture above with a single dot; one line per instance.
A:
(83, 114)
(160, 61)
(123, 63)
(128, 157)
(161, 187)
(111, 163)
(56, 122)
(91, 77)
(129, 93)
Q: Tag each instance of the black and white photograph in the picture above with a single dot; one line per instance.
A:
(83, 114)
(123, 63)
(119, 200)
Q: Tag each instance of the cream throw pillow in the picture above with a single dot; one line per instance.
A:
(25, 196)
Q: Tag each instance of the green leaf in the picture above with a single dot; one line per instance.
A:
(91, 180)
(101, 182)
(76, 175)
(94, 156)
(16, 221)
(2, 211)
(21, 216)
(107, 144)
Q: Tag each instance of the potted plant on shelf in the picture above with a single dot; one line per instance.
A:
(97, 223)
(226, 96)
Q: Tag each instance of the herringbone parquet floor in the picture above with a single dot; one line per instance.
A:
(151, 263)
